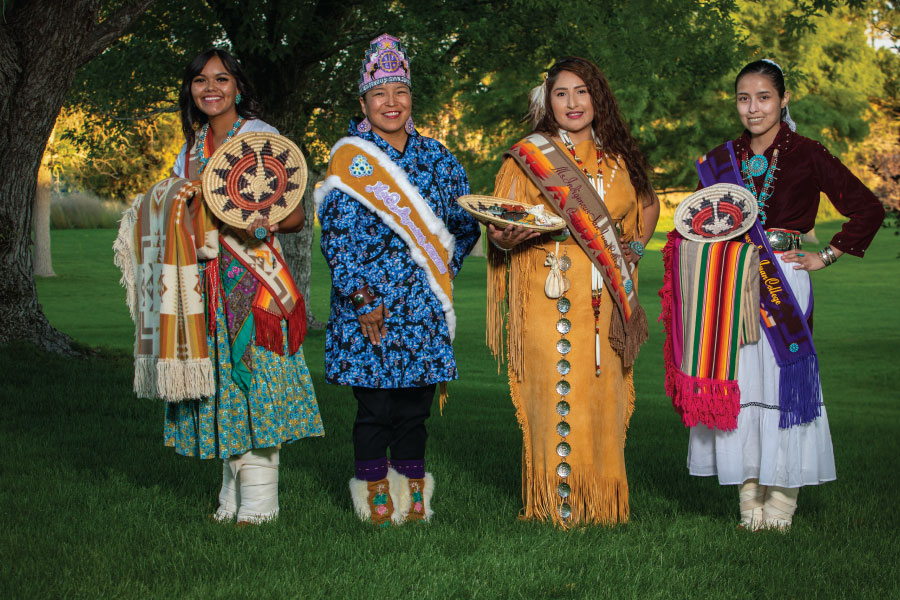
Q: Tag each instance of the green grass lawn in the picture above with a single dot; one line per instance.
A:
(95, 506)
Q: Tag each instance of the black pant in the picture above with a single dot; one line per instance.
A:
(392, 418)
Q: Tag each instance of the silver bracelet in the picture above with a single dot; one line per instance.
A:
(827, 255)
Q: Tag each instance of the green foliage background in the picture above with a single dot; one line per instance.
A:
(671, 64)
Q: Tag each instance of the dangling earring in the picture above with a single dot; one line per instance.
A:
(238, 99)
(410, 127)
(364, 126)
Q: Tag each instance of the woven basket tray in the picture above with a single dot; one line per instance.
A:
(505, 212)
(254, 175)
(715, 213)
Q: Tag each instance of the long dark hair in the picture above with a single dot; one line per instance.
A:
(191, 116)
(608, 124)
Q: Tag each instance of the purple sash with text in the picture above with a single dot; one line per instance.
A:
(781, 316)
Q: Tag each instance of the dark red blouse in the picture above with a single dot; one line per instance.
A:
(804, 169)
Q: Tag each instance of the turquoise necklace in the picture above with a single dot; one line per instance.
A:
(754, 167)
(202, 159)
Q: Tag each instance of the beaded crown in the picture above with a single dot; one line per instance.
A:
(386, 62)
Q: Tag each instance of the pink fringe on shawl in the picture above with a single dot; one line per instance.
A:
(715, 403)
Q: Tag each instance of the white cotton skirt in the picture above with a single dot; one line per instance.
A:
(758, 449)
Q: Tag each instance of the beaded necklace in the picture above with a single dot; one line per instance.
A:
(564, 136)
(751, 167)
(202, 159)
(596, 278)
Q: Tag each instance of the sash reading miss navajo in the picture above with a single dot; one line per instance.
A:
(570, 192)
(781, 317)
(364, 172)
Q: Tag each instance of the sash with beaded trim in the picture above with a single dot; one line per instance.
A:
(561, 181)
(364, 172)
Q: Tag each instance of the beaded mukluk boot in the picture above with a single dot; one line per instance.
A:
(382, 502)
(421, 487)
(420, 491)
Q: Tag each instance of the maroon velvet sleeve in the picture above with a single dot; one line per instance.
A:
(850, 197)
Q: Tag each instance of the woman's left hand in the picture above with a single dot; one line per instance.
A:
(630, 255)
(803, 260)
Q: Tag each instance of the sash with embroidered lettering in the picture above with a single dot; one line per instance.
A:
(576, 200)
(365, 173)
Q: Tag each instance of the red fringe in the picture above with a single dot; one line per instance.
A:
(665, 295)
(268, 330)
(212, 293)
(715, 403)
(297, 325)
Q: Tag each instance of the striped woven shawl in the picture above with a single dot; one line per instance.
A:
(157, 249)
(710, 300)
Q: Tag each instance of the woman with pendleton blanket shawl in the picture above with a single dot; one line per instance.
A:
(394, 238)
(574, 324)
(263, 393)
(779, 439)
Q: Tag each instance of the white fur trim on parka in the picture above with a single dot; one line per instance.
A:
(435, 225)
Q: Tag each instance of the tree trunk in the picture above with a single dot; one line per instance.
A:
(298, 250)
(42, 43)
(43, 261)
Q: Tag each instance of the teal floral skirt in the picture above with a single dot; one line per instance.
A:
(280, 406)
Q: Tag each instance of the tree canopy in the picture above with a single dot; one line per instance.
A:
(671, 65)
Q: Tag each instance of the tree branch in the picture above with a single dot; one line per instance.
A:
(112, 28)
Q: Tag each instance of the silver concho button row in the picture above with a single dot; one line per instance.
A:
(563, 490)
(563, 346)
(564, 326)
(565, 263)
(563, 387)
(563, 469)
(565, 511)
(563, 305)
(562, 408)
(563, 449)
(563, 367)
(563, 429)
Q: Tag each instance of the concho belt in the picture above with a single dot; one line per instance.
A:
(782, 240)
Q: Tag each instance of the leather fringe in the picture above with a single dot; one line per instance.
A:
(594, 500)
(443, 397)
(627, 339)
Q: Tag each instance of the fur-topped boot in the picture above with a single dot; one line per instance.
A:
(259, 486)
(752, 496)
(382, 502)
(420, 491)
(778, 511)
(229, 495)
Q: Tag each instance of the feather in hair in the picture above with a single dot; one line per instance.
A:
(537, 106)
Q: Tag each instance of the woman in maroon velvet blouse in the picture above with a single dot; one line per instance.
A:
(768, 462)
